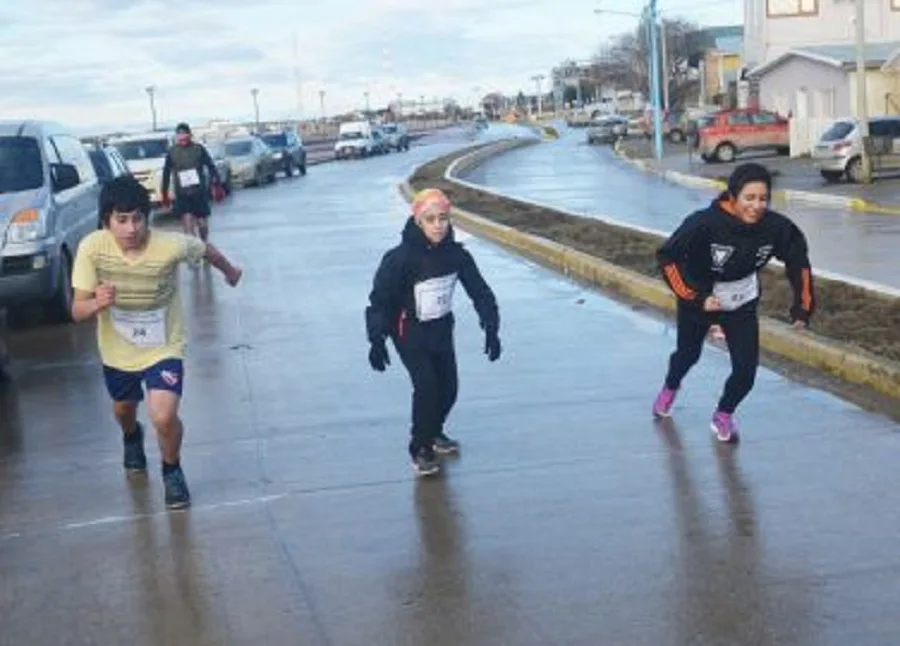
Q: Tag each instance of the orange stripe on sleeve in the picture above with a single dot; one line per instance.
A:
(678, 285)
(806, 296)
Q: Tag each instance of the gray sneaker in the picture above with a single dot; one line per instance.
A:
(177, 494)
(444, 445)
(135, 459)
(425, 463)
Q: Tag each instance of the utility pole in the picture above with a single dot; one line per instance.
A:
(537, 78)
(665, 63)
(322, 103)
(366, 93)
(151, 91)
(255, 94)
(654, 81)
(862, 109)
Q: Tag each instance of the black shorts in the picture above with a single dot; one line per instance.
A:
(196, 205)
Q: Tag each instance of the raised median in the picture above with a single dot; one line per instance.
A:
(855, 334)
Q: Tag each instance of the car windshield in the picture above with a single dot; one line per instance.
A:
(143, 149)
(21, 168)
(351, 135)
(276, 141)
(838, 130)
(390, 129)
(238, 148)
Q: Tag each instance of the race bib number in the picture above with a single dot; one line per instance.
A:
(434, 297)
(736, 293)
(145, 329)
(189, 178)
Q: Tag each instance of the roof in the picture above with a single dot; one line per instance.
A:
(878, 55)
(29, 128)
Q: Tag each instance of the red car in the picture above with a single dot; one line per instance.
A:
(724, 135)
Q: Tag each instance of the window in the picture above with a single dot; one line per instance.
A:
(739, 119)
(72, 151)
(787, 8)
(21, 168)
(146, 149)
(895, 5)
(764, 119)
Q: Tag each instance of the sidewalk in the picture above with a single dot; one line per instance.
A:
(795, 179)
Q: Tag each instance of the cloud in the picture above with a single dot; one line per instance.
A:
(88, 62)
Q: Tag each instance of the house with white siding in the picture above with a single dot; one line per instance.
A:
(801, 57)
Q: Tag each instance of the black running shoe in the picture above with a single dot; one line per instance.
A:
(177, 494)
(135, 459)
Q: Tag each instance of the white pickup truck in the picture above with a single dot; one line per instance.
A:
(358, 139)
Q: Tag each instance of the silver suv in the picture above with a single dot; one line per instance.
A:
(838, 152)
(48, 202)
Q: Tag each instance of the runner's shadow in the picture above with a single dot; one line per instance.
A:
(721, 594)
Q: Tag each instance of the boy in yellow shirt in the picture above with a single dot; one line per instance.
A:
(126, 276)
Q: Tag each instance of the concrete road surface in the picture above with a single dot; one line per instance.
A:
(570, 518)
(591, 180)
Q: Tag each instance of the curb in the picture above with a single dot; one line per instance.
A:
(849, 364)
(786, 194)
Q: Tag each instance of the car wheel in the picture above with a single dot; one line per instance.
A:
(676, 136)
(831, 176)
(303, 169)
(59, 309)
(289, 169)
(725, 153)
(854, 170)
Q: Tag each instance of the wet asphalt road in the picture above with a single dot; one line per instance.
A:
(591, 180)
(571, 518)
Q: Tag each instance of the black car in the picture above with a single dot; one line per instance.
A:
(108, 163)
(290, 147)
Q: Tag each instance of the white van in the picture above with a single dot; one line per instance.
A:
(145, 155)
(357, 139)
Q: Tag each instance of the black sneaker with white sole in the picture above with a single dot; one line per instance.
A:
(445, 445)
(425, 462)
(177, 494)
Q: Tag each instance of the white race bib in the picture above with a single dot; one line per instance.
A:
(434, 297)
(188, 178)
(145, 329)
(736, 293)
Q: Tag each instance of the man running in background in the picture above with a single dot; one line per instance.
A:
(186, 161)
(126, 276)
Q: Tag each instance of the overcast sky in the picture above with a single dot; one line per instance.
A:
(86, 62)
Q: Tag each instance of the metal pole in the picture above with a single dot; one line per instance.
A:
(255, 93)
(665, 63)
(322, 103)
(654, 82)
(151, 92)
(862, 109)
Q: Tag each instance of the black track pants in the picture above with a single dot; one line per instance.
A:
(741, 329)
(435, 385)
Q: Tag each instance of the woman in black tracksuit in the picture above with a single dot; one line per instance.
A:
(411, 303)
(711, 263)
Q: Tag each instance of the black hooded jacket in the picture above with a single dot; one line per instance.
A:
(713, 245)
(416, 265)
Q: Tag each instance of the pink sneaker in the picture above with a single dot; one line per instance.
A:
(723, 427)
(662, 407)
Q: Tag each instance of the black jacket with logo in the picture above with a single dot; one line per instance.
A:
(191, 157)
(407, 268)
(713, 245)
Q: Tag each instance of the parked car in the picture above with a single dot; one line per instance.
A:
(724, 135)
(108, 162)
(252, 161)
(607, 129)
(357, 139)
(48, 202)
(216, 150)
(288, 146)
(838, 153)
(396, 136)
(145, 154)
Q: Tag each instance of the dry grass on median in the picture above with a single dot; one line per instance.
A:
(845, 313)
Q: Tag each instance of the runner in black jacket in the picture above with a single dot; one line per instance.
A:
(711, 263)
(411, 302)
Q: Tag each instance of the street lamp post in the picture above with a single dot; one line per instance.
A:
(862, 108)
(322, 103)
(537, 78)
(255, 93)
(151, 91)
(654, 81)
(366, 93)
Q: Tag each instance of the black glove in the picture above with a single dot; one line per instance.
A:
(378, 356)
(492, 344)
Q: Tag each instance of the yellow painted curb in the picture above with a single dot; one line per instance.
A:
(848, 363)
